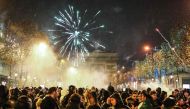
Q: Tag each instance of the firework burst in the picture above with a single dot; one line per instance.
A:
(76, 34)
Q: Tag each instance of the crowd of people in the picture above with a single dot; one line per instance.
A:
(92, 98)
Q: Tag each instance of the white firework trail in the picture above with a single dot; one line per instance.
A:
(173, 49)
(78, 33)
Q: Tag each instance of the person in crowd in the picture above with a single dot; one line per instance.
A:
(100, 94)
(3, 97)
(148, 90)
(184, 101)
(32, 93)
(145, 101)
(24, 92)
(50, 100)
(23, 102)
(154, 100)
(13, 96)
(34, 98)
(38, 99)
(124, 95)
(169, 103)
(158, 91)
(114, 102)
(93, 101)
(175, 94)
(163, 96)
(110, 89)
(59, 93)
(63, 93)
(103, 97)
(74, 101)
(132, 101)
(72, 90)
(80, 91)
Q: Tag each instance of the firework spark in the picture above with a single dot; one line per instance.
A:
(78, 33)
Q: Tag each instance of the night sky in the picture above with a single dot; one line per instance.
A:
(129, 24)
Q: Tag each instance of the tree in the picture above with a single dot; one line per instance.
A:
(180, 40)
(169, 58)
(186, 48)
(18, 40)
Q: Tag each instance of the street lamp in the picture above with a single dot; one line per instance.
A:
(16, 74)
(147, 49)
(41, 49)
(42, 46)
(72, 71)
(123, 67)
(171, 76)
(62, 61)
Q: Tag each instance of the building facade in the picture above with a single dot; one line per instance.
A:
(102, 62)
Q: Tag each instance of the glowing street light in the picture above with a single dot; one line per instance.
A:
(41, 49)
(16, 74)
(35, 78)
(173, 48)
(62, 61)
(42, 46)
(171, 76)
(23, 79)
(123, 67)
(147, 48)
(72, 71)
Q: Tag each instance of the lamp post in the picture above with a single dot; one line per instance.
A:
(148, 49)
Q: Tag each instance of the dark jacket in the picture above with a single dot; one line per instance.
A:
(146, 105)
(73, 106)
(93, 107)
(65, 100)
(49, 103)
(155, 104)
(131, 102)
(23, 102)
